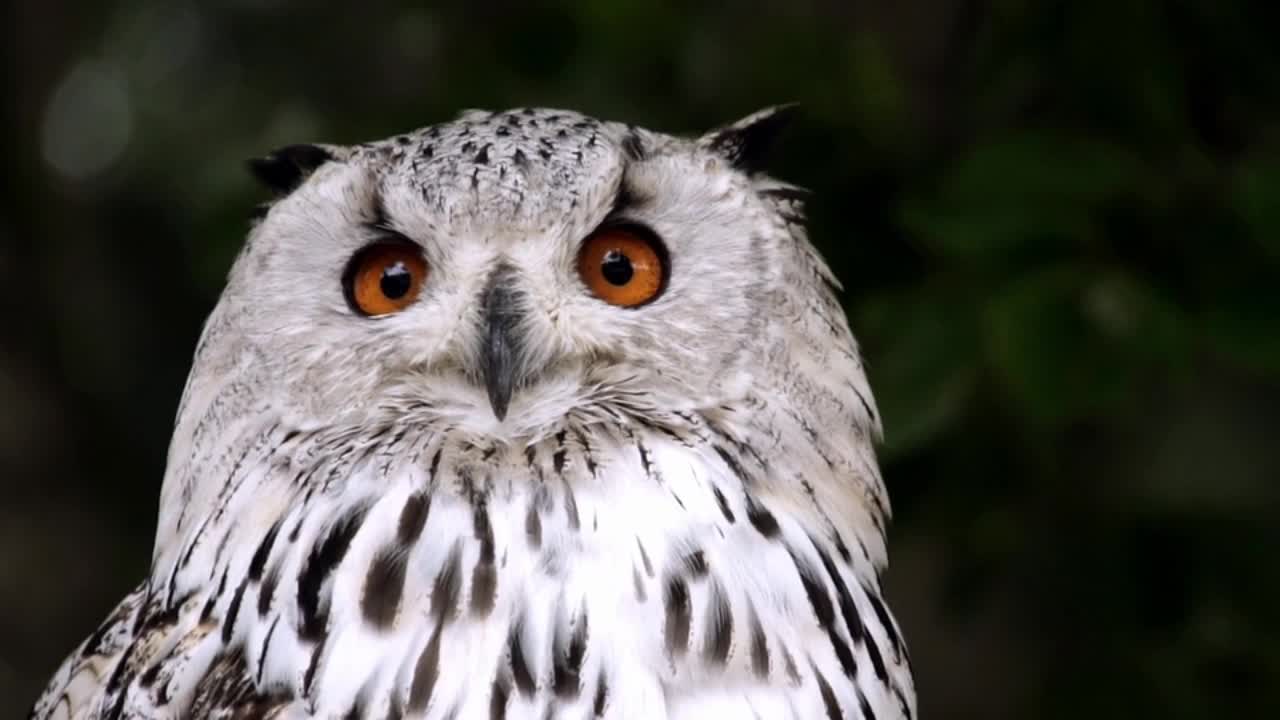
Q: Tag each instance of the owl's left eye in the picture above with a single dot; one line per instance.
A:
(624, 265)
(384, 277)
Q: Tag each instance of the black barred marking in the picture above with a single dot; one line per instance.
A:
(148, 678)
(118, 677)
(233, 610)
(886, 622)
(789, 662)
(520, 670)
(761, 519)
(903, 705)
(425, 672)
(533, 527)
(558, 458)
(324, 557)
(633, 146)
(759, 648)
(824, 610)
(817, 594)
(356, 712)
(828, 697)
(259, 561)
(877, 659)
(444, 592)
(586, 451)
(93, 645)
(724, 505)
(395, 709)
(676, 602)
(571, 507)
(267, 591)
(205, 614)
(567, 667)
(484, 577)
(413, 517)
(696, 562)
(163, 694)
(669, 432)
(154, 618)
(862, 547)
(435, 461)
(312, 665)
(482, 157)
(644, 557)
(266, 644)
(849, 611)
(734, 466)
(644, 459)
(498, 698)
(719, 635)
(602, 696)
(228, 681)
(384, 587)
(640, 594)
(842, 549)
(865, 706)
(793, 194)
(865, 405)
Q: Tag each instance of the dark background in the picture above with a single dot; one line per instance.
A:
(1058, 224)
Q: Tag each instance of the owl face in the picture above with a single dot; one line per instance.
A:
(507, 270)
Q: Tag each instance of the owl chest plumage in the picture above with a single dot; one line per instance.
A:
(608, 571)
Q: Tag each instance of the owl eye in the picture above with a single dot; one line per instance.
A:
(384, 277)
(624, 265)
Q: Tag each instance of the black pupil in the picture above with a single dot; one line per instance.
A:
(616, 268)
(396, 281)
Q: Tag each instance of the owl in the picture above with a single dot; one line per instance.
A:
(525, 415)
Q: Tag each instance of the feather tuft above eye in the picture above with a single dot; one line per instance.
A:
(747, 142)
(283, 170)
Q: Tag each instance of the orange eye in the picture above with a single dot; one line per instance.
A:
(624, 265)
(384, 277)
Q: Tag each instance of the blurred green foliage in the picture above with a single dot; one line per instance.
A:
(1058, 224)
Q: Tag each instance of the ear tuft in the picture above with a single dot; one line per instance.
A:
(283, 170)
(746, 143)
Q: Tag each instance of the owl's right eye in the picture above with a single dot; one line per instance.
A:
(384, 277)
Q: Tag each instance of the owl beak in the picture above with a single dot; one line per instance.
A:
(500, 355)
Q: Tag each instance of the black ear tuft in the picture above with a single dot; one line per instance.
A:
(284, 170)
(746, 143)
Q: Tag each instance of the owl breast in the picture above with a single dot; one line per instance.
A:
(604, 572)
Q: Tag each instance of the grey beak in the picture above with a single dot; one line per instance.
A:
(500, 355)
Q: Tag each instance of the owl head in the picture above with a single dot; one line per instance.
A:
(507, 271)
